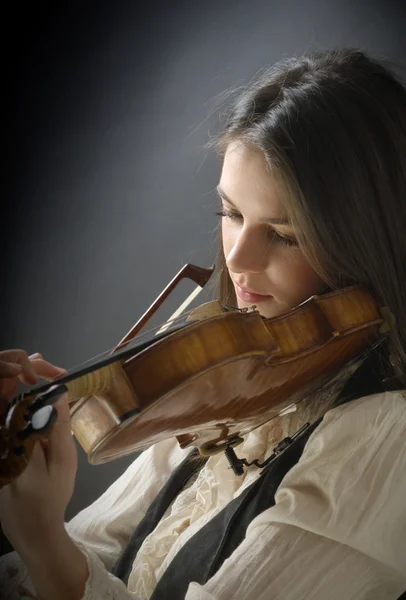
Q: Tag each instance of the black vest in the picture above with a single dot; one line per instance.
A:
(204, 553)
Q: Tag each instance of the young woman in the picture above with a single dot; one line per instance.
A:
(312, 190)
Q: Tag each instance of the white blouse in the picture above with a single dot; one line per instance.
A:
(337, 530)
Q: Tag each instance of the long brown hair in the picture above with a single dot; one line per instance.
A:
(332, 128)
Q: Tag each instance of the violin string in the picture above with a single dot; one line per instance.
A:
(126, 346)
(140, 337)
(131, 343)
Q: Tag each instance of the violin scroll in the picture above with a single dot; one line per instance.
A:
(24, 423)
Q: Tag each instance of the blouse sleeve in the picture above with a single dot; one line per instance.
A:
(106, 525)
(338, 526)
(280, 562)
(15, 583)
(103, 529)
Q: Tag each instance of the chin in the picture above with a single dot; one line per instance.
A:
(268, 313)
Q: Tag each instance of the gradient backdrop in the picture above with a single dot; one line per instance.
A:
(109, 190)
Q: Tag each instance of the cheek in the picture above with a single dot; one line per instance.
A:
(296, 280)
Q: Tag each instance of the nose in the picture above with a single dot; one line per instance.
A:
(249, 252)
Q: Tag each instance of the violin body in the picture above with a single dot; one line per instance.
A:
(216, 380)
(206, 384)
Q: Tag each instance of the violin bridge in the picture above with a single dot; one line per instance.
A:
(206, 311)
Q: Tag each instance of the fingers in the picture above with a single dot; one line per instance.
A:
(45, 369)
(16, 366)
(10, 369)
(21, 358)
(28, 368)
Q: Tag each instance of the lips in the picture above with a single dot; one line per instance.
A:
(248, 295)
(249, 291)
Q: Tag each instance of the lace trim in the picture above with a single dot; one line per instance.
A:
(215, 485)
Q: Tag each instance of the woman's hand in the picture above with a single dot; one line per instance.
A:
(16, 366)
(32, 507)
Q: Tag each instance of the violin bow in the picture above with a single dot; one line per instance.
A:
(199, 275)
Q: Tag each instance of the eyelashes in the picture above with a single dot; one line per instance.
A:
(279, 239)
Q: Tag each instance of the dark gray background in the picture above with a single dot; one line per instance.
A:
(110, 190)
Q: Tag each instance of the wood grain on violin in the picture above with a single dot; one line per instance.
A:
(207, 383)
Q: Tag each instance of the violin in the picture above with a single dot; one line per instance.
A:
(207, 383)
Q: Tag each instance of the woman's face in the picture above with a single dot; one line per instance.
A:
(265, 265)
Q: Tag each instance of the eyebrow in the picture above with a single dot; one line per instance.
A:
(275, 221)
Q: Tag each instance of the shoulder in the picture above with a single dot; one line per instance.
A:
(350, 482)
(384, 405)
(362, 423)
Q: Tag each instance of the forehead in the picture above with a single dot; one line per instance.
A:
(247, 180)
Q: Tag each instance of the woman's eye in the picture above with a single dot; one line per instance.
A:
(229, 214)
(274, 235)
(283, 240)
